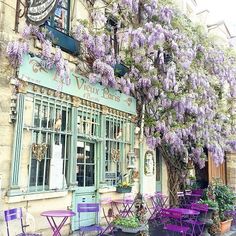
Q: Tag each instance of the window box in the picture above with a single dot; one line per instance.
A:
(120, 69)
(123, 189)
(64, 41)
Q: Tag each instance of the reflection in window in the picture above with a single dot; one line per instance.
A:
(85, 164)
(51, 126)
(60, 19)
(115, 148)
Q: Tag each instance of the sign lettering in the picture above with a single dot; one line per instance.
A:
(32, 71)
(39, 10)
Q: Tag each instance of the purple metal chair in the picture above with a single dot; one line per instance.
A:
(198, 223)
(16, 214)
(91, 208)
(108, 213)
(173, 221)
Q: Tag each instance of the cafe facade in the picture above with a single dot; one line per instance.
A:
(62, 144)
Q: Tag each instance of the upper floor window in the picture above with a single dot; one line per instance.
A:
(61, 17)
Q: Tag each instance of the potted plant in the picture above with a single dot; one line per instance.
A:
(220, 197)
(128, 224)
(124, 187)
(225, 198)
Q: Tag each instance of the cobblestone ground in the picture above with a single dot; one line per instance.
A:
(154, 231)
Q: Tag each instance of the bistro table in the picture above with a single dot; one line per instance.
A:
(123, 206)
(185, 211)
(57, 214)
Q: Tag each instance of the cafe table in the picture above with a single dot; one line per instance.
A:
(185, 211)
(123, 206)
(51, 215)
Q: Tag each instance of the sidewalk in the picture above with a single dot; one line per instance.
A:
(154, 231)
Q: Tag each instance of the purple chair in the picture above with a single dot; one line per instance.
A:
(108, 213)
(16, 214)
(198, 191)
(91, 208)
(198, 224)
(173, 221)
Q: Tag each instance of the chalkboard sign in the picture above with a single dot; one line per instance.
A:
(110, 175)
(39, 10)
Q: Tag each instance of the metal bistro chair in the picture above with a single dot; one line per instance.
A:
(108, 213)
(16, 214)
(173, 221)
(91, 208)
(198, 224)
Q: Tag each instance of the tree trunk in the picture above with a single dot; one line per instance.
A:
(175, 172)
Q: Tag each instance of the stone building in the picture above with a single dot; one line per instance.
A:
(68, 145)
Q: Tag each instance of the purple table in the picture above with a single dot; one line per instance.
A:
(185, 211)
(57, 213)
(123, 206)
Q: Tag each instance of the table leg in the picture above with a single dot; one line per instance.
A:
(56, 228)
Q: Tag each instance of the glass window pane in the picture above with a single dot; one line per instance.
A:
(80, 152)
(89, 153)
(33, 172)
(89, 178)
(80, 175)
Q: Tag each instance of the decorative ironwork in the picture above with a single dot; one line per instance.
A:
(21, 6)
(115, 155)
(39, 151)
(36, 66)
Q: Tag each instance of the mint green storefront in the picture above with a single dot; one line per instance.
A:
(78, 138)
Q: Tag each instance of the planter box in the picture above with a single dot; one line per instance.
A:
(64, 41)
(120, 69)
(131, 230)
(123, 190)
(225, 226)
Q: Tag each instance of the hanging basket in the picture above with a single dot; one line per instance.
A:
(123, 189)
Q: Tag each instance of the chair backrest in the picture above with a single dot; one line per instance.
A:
(105, 201)
(198, 191)
(13, 214)
(87, 207)
(180, 194)
(199, 207)
(171, 214)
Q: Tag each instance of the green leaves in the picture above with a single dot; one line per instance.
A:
(130, 222)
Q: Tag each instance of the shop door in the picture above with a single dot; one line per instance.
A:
(158, 171)
(85, 192)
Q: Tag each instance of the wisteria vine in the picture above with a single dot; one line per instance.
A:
(187, 83)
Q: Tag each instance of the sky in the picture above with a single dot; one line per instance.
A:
(220, 10)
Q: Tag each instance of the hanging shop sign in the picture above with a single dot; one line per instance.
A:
(39, 10)
(32, 71)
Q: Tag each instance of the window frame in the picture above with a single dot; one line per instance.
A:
(47, 134)
(51, 20)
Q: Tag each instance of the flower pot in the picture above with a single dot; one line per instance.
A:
(123, 189)
(225, 226)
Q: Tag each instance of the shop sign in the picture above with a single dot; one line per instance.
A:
(31, 71)
(39, 10)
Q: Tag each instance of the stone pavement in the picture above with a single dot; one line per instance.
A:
(154, 231)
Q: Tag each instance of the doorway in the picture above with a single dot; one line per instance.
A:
(86, 179)
(158, 171)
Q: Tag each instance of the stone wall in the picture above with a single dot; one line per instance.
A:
(231, 170)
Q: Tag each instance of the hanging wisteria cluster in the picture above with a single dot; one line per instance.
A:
(185, 81)
(17, 49)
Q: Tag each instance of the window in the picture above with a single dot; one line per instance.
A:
(116, 148)
(60, 19)
(51, 144)
(111, 26)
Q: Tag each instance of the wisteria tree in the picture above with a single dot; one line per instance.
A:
(184, 84)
